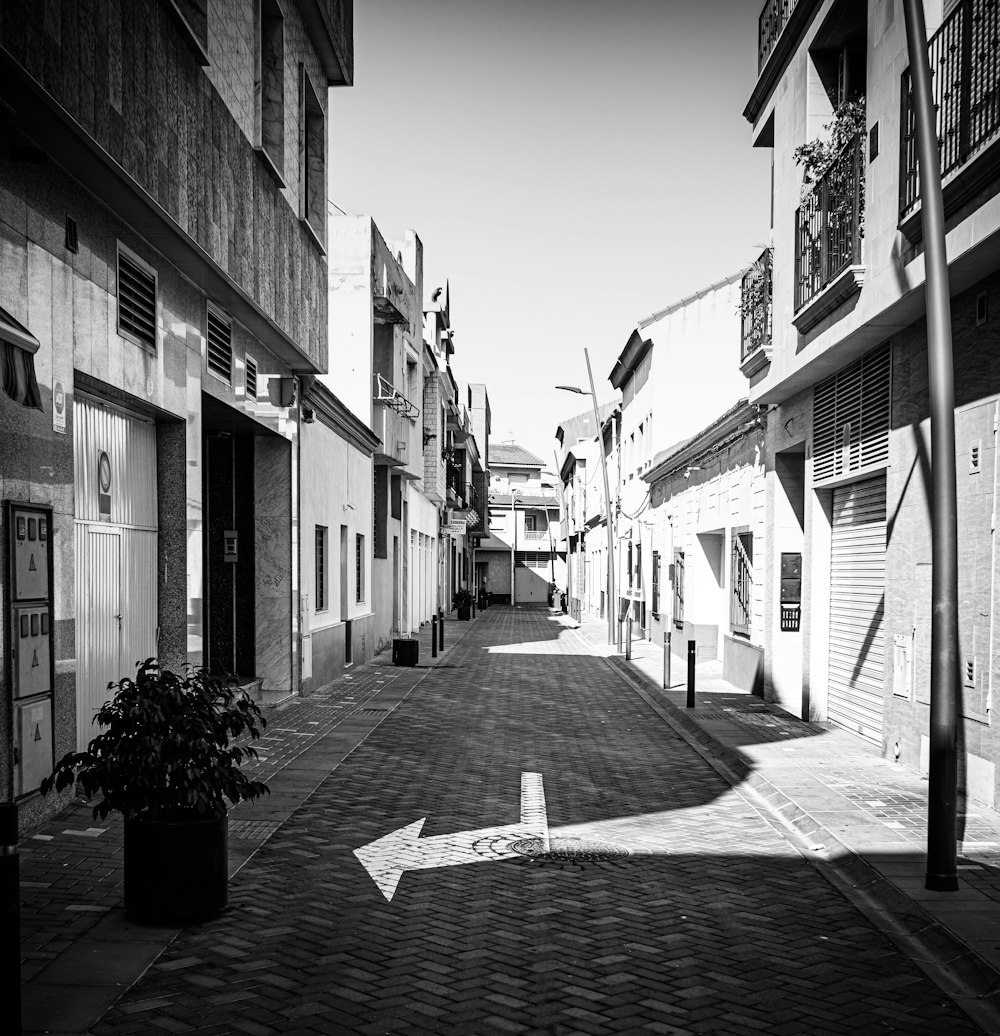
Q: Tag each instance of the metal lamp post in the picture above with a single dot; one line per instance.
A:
(612, 603)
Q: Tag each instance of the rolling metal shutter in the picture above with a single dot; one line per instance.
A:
(857, 606)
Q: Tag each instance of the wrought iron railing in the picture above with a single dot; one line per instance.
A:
(773, 19)
(965, 78)
(829, 224)
(755, 306)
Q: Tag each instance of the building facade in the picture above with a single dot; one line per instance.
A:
(162, 280)
(834, 346)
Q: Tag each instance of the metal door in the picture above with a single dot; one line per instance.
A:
(857, 608)
(99, 623)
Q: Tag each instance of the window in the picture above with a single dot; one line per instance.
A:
(136, 299)
(359, 568)
(380, 512)
(312, 157)
(638, 566)
(629, 566)
(529, 523)
(220, 343)
(251, 377)
(741, 583)
(321, 576)
(655, 603)
(271, 86)
(679, 588)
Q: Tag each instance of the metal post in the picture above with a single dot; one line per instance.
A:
(666, 659)
(942, 871)
(612, 603)
(10, 916)
(628, 639)
(473, 605)
(441, 629)
(691, 657)
(434, 636)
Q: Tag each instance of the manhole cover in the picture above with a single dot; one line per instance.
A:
(569, 850)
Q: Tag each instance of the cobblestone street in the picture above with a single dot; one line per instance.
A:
(666, 902)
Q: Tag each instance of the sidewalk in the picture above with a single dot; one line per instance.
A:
(857, 817)
(79, 951)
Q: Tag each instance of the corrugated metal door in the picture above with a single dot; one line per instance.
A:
(114, 476)
(857, 606)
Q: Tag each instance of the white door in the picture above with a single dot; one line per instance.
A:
(857, 608)
(115, 540)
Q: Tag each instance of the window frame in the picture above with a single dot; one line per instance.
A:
(741, 582)
(321, 555)
(359, 568)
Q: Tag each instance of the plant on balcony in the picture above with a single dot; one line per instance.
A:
(819, 156)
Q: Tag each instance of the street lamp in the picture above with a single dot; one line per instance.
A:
(612, 603)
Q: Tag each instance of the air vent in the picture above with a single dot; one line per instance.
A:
(220, 344)
(136, 300)
(251, 377)
(982, 307)
(72, 237)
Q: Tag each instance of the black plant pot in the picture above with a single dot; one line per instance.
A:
(464, 612)
(176, 871)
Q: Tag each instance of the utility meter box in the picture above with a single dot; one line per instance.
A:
(32, 744)
(30, 643)
(30, 535)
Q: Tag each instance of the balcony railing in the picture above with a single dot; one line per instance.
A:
(829, 225)
(755, 306)
(773, 18)
(965, 78)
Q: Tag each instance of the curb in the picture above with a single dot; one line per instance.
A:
(955, 967)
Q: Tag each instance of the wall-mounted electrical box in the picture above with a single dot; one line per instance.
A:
(791, 592)
(32, 744)
(28, 667)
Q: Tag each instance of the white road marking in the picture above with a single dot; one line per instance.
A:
(388, 857)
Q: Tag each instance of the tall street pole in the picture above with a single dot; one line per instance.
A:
(612, 603)
(943, 774)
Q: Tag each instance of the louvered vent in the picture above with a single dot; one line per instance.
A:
(136, 300)
(220, 344)
(851, 414)
(251, 377)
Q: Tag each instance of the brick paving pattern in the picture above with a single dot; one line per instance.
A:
(712, 923)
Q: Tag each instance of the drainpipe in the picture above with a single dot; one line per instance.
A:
(942, 873)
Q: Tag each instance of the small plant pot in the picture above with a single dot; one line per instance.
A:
(464, 612)
(176, 871)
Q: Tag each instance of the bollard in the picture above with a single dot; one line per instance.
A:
(666, 659)
(434, 636)
(473, 607)
(691, 652)
(10, 917)
(628, 639)
(441, 629)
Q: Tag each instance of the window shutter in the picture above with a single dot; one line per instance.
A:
(136, 300)
(251, 375)
(220, 344)
(851, 415)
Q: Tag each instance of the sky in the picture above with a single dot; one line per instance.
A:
(570, 166)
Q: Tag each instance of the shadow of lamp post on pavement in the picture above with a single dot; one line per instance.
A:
(612, 604)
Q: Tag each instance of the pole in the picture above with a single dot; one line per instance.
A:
(10, 916)
(434, 635)
(441, 629)
(513, 552)
(628, 641)
(666, 659)
(942, 787)
(612, 604)
(691, 659)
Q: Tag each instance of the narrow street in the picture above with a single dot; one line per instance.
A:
(667, 903)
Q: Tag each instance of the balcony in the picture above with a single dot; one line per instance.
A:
(829, 228)
(773, 19)
(755, 311)
(965, 79)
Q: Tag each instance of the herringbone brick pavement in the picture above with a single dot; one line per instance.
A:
(711, 923)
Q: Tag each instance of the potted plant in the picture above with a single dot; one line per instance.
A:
(463, 602)
(166, 760)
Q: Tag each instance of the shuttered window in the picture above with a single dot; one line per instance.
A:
(679, 588)
(251, 369)
(321, 568)
(220, 344)
(656, 584)
(741, 583)
(136, 299)
(851, 415)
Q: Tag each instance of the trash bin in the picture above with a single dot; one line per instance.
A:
(405, 651)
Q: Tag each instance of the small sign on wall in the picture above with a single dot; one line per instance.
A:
(229, 545)
(58, 407)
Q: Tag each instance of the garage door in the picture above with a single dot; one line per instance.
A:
(857, 608)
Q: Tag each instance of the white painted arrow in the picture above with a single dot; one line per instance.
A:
(388, 857)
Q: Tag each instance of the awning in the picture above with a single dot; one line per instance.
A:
(17, 362)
